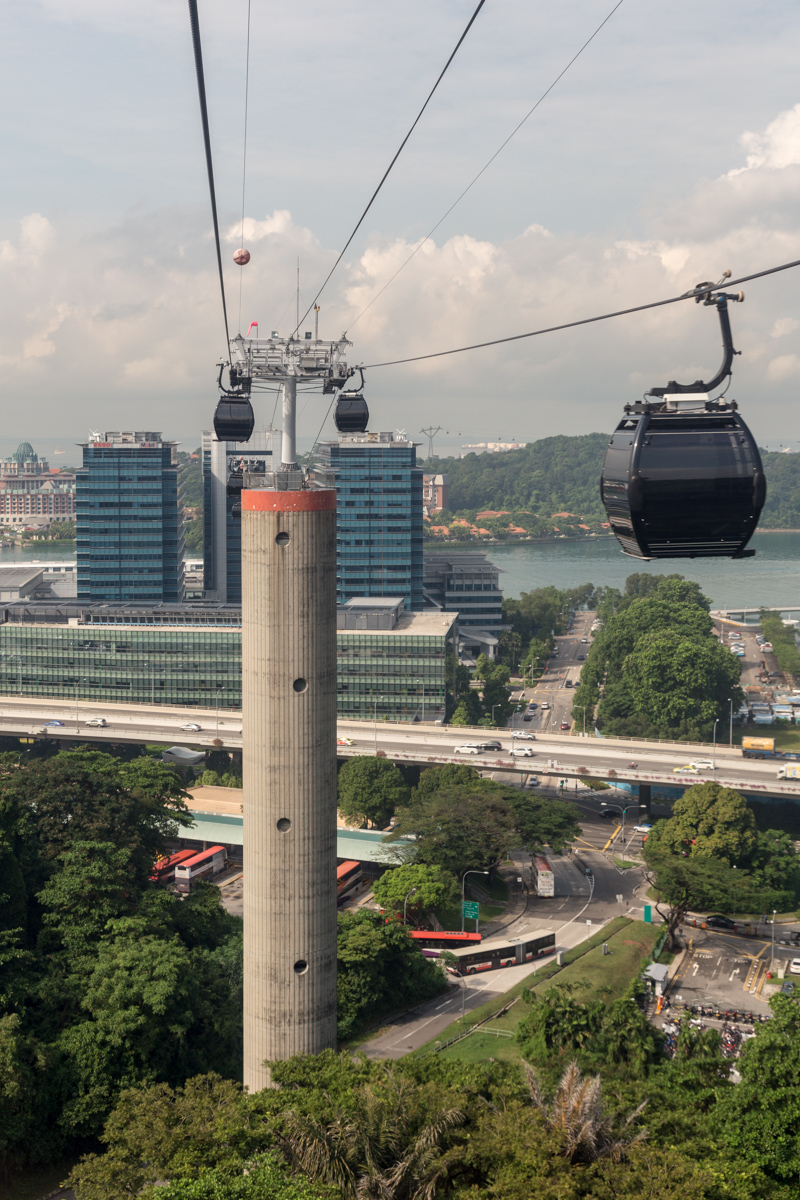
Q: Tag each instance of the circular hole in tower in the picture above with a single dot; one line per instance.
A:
(282, 539)
(284, 824)
(300, 685)
(300, 967)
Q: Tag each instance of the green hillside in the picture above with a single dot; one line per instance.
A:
(562, 474)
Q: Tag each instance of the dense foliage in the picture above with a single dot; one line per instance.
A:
(106, 981)
(595, 1112)
(784, 646)
(661, 670)
(561, 475)
(710, 855)
(461, 822)
(370, 789)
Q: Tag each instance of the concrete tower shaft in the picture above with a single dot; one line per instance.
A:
(289, 762)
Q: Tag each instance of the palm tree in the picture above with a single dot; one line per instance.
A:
(379, 1149)
(576, 1114)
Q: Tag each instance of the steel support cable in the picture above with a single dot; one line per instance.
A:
(620, 312)
(486, 165)
(201, 91)
(385, 175)
(244, 151)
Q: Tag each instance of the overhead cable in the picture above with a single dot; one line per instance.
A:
(201, 91)
(399, 151)
(244, 149)
(486, 165)
(621, 312)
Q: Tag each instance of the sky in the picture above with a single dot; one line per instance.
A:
(669, 152)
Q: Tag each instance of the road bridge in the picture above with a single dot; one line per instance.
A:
(553, 755)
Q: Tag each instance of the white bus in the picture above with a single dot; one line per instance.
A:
(502, 952)
(542, 876)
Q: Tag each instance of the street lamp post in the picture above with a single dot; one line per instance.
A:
(730, 734)
(714, 751)
(772, 963)
(410, 892)
(375, 719)
(494, 706)
(463, 878)
(221, 688)
(624, 812)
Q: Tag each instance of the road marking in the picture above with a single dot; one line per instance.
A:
(735, 971)
(617, 830)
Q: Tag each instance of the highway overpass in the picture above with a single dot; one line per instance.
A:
(555, 755)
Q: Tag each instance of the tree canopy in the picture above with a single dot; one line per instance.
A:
(371, 789)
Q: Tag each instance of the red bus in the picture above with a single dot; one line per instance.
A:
(498, 952)
(164, 867)
(348, 880)
(432, 942)
(200, 866)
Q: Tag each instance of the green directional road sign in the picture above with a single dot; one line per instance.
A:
(469, 909)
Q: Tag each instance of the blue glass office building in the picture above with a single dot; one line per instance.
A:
(378, 515)
(129, 519)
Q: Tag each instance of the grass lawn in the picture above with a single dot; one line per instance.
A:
(606, 977)
(624, 864)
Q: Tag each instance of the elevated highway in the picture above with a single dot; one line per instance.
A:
(555, 755)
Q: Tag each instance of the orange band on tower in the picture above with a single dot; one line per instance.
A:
(310, 500)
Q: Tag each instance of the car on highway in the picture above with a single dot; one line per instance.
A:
(718, 921)
(521, 752)
(56, 724)
(523, 733)
(794, 966)
(581, 658)
(687, 769)
(467, 748)
(642, 828)
(584, 641)
(345, 742)
(533, 781)
(568, 683)
(565, 724)
(191, 727)
(527, 717)
(606, 815)
(702, 764)
(533, 706)
(490, 745)
(544, 705)
(97, 722)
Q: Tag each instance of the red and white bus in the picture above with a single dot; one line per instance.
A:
(348, 881)
(542, 876)
(499, 952)
(164, 867)
(433, 942)
(204, 865)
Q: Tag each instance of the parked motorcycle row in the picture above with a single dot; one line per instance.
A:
(732, 1035)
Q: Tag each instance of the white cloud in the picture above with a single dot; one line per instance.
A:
(787, 366)
(777, 147)
(784, 326)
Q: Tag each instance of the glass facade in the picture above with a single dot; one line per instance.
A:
(129, 519)
(467, 584)
(225, 465)
(378, 516)
(397, 675)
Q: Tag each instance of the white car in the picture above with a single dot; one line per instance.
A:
(702, 764)
(192, 727)
(467, 749)
(642, 828)
(97, 722)
(544, 705)
(766, 647)
(794, 966)
(522, 733)
(521, 752)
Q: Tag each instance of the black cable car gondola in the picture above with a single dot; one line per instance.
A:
(351, 414)
(682, 476)
(234, 419)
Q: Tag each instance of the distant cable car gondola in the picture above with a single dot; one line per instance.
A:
(682, 476)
